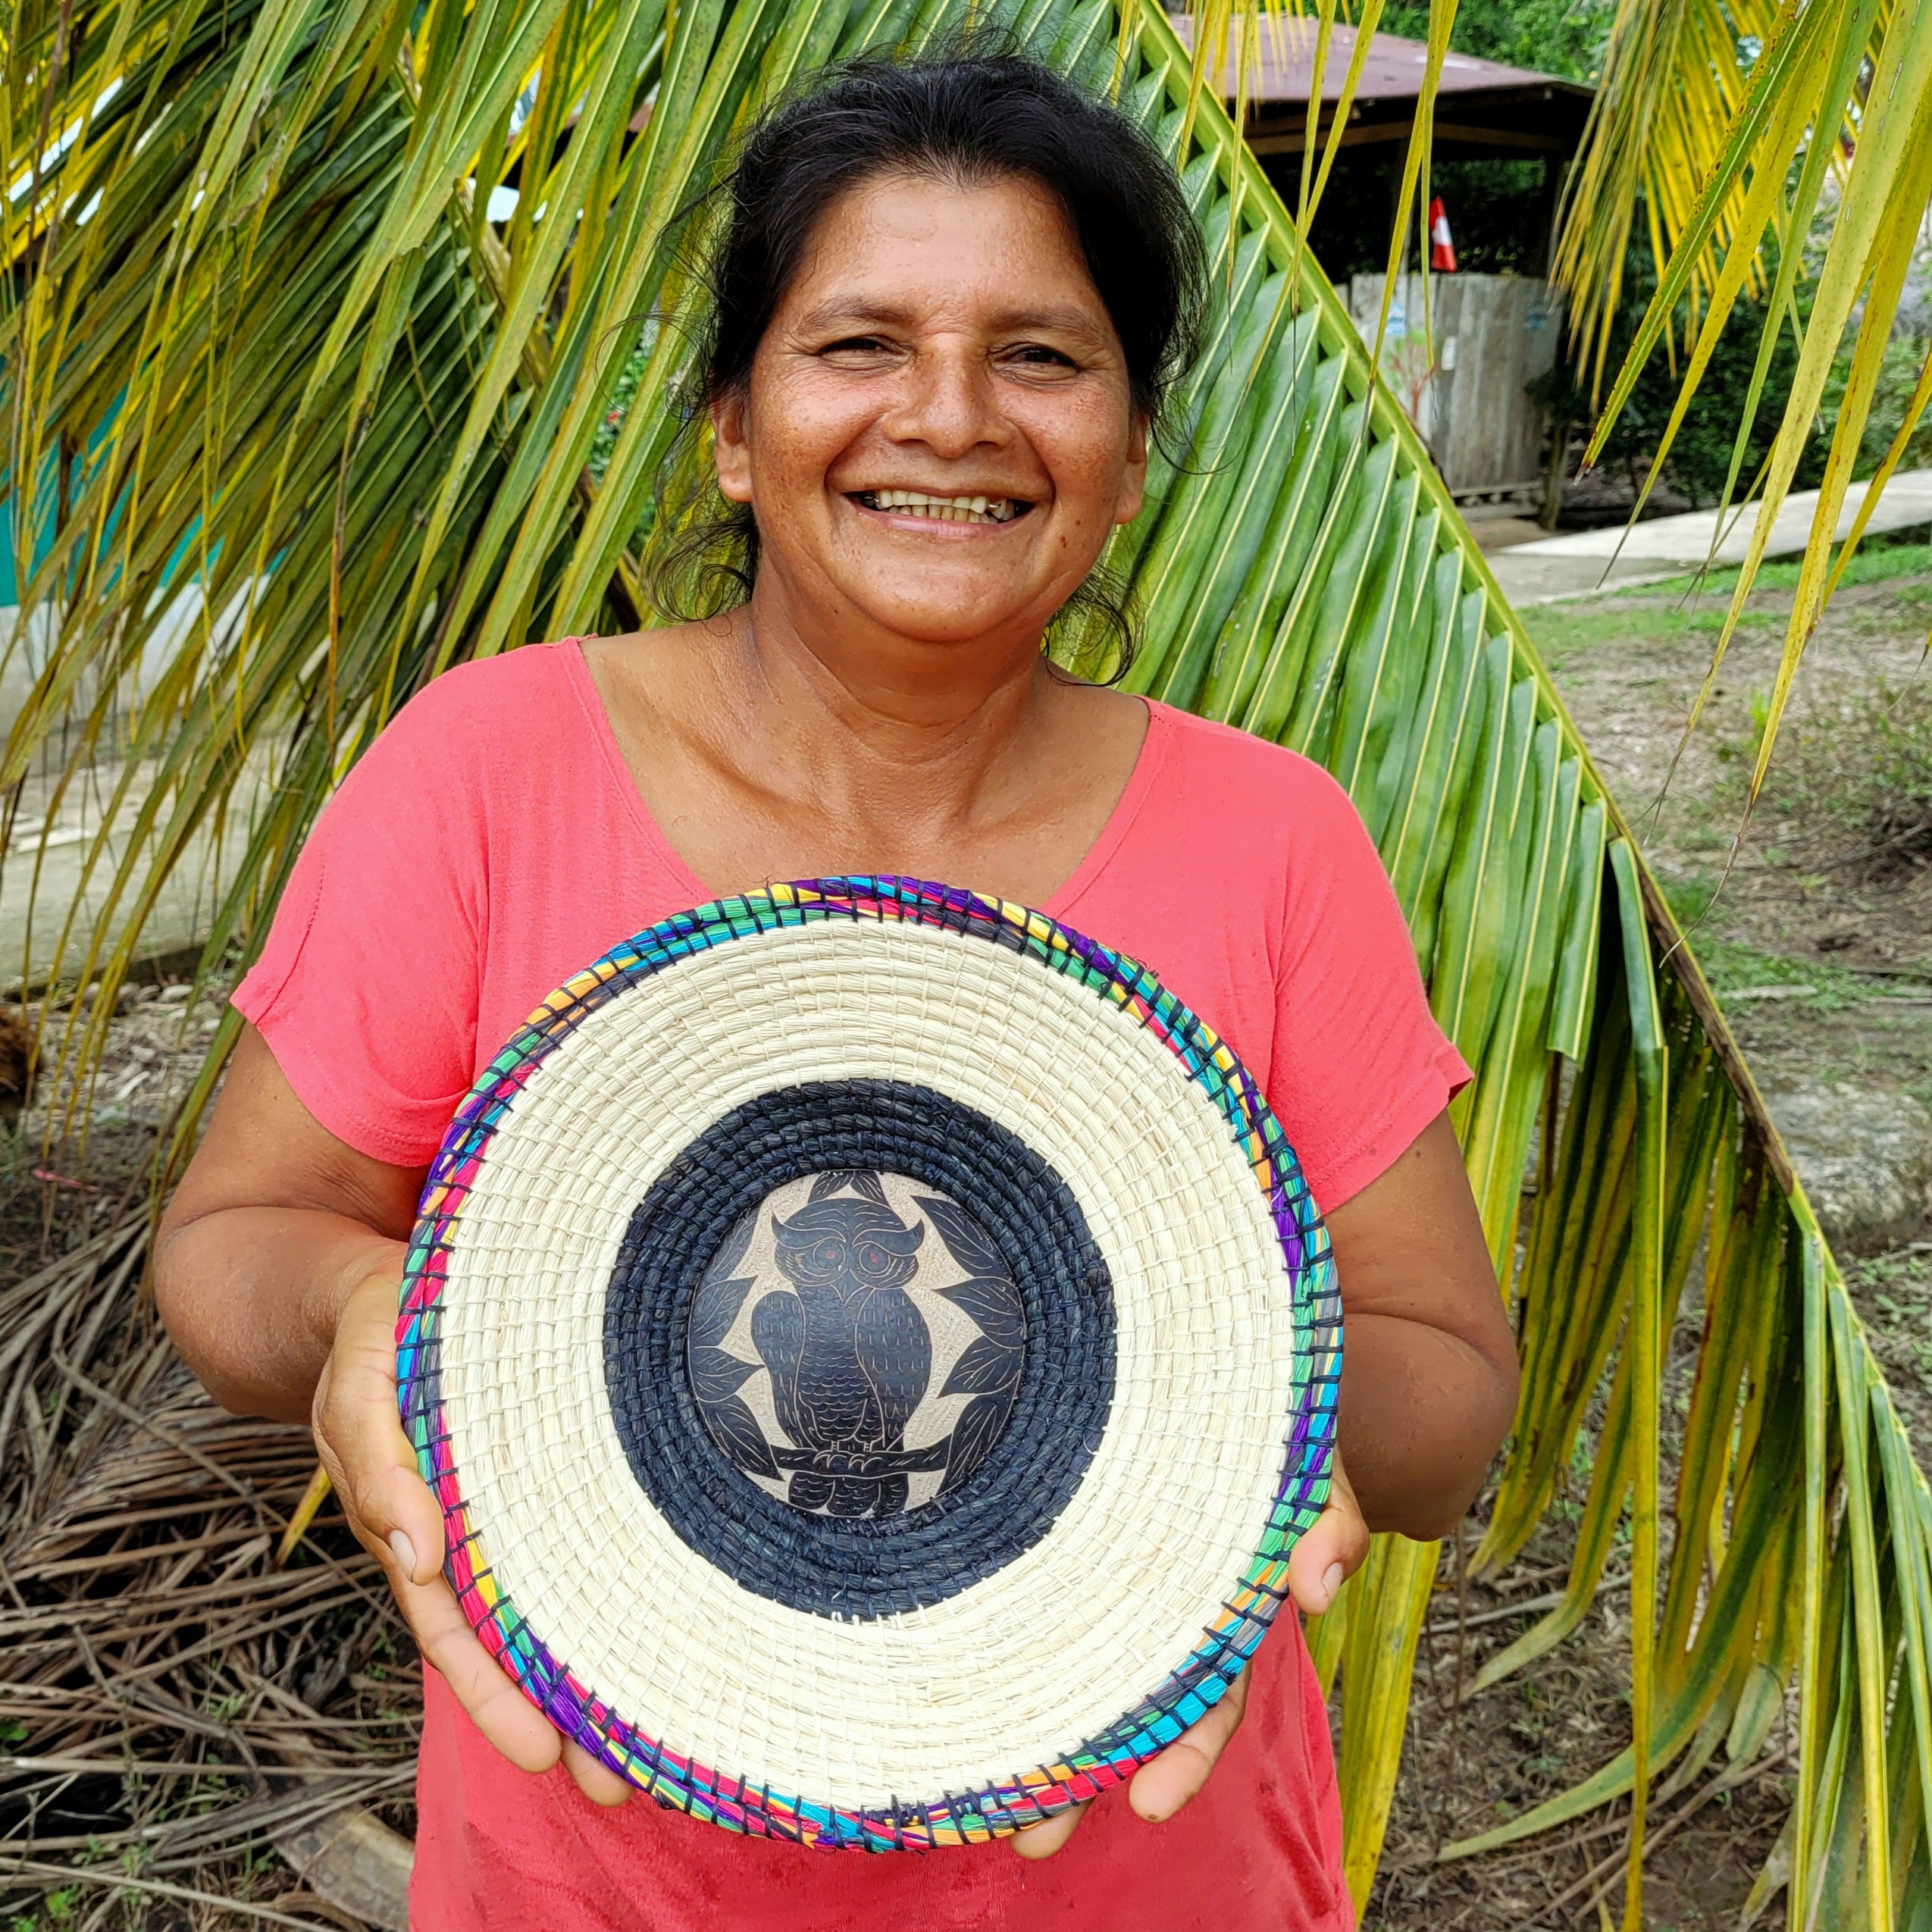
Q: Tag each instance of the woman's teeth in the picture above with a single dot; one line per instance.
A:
(945, 509)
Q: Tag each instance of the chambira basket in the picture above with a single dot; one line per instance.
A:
(874, 1351)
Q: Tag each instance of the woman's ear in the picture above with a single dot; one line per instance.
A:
(730, 450)
(1133, 483)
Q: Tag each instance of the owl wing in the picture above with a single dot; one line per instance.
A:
(777, 1332)
(895, 1356)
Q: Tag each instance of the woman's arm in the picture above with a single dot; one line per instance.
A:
(275, 1225)
(278, 1271)
(1429, 1369)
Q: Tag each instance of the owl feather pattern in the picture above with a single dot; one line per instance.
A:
(848, 1353)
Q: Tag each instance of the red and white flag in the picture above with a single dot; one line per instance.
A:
(1442, 249)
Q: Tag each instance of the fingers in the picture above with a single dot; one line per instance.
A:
(395, 1517)
(1044, 1839)
(498, 1708)
(597, 1781)
(1332, 1552)
(1162, 1785)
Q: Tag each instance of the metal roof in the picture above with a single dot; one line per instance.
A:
(1393, 70)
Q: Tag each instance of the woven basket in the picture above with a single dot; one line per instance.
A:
(874, 1351)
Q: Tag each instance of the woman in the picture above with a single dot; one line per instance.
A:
(949, 297)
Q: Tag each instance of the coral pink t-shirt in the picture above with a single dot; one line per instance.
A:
(490, 845)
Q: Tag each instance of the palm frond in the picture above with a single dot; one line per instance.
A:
(295, 421)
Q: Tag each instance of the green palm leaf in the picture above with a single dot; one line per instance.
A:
(292, 424)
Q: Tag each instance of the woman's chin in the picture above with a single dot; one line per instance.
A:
(937, 606)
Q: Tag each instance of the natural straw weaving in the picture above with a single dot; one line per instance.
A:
(874, 1351)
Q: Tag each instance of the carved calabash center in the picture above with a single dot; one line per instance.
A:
(856, 1344)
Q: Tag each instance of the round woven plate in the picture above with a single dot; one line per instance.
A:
(874, 1351)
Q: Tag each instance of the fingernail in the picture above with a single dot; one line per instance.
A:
(404, 1552)
(1332, 1583)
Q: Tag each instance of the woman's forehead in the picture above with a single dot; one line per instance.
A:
(890, 248)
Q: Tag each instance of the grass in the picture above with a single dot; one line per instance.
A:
(1732, 967)
(1854, 774)
(1878, 559)
(1565, 632)
(1893, 1292)
(1689, 608)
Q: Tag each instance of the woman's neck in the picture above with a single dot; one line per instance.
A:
(869, 724)
(764, 752)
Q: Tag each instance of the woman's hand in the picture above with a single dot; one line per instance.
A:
(1325, 1559)
(278, 1270)
(396, 1518)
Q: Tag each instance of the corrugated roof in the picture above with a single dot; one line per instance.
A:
(1393, 70)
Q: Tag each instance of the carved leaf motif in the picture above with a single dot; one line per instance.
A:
(982, 1367)
(721, 1294)
(714, 1374)
(726, 1261)
(979, 1426)
(738, 1431)
(860, 1180)
(965, 1238)
(995, 1303)
(714, 1308)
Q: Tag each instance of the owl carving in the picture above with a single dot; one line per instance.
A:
(849, 1353)
(817, 1336)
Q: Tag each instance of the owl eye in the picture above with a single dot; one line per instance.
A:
(826, 1255)
(871, 1260)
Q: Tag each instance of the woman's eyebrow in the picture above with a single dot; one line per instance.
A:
(1061, 319)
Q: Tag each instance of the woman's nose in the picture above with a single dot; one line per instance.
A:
(948, 404)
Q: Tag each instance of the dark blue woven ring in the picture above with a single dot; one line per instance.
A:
(869, 1566)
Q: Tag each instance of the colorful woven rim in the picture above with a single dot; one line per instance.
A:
(1192, 1684)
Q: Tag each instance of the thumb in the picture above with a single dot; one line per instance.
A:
(1332, 1549)
(359, 1435)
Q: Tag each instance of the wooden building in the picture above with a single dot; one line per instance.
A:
(1460, 352)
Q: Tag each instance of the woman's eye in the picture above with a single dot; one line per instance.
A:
(858, 346)
(1039, 356)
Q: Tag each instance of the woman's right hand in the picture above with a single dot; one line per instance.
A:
(396, 1518)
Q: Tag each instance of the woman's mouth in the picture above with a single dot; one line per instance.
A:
(943, 509)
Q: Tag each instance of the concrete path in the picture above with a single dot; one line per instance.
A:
(1587, 560)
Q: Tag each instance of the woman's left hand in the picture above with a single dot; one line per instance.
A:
(1318, 1566)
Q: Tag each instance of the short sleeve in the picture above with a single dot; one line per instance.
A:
(1356, 1050)
(367, 989)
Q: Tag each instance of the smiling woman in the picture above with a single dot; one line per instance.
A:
(1097, 193)
(947, 299)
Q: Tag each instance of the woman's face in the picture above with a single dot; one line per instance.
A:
(937, 434)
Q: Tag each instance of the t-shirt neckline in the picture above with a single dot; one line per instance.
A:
(1092, 863)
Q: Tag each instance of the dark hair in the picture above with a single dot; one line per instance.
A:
(967, 118)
